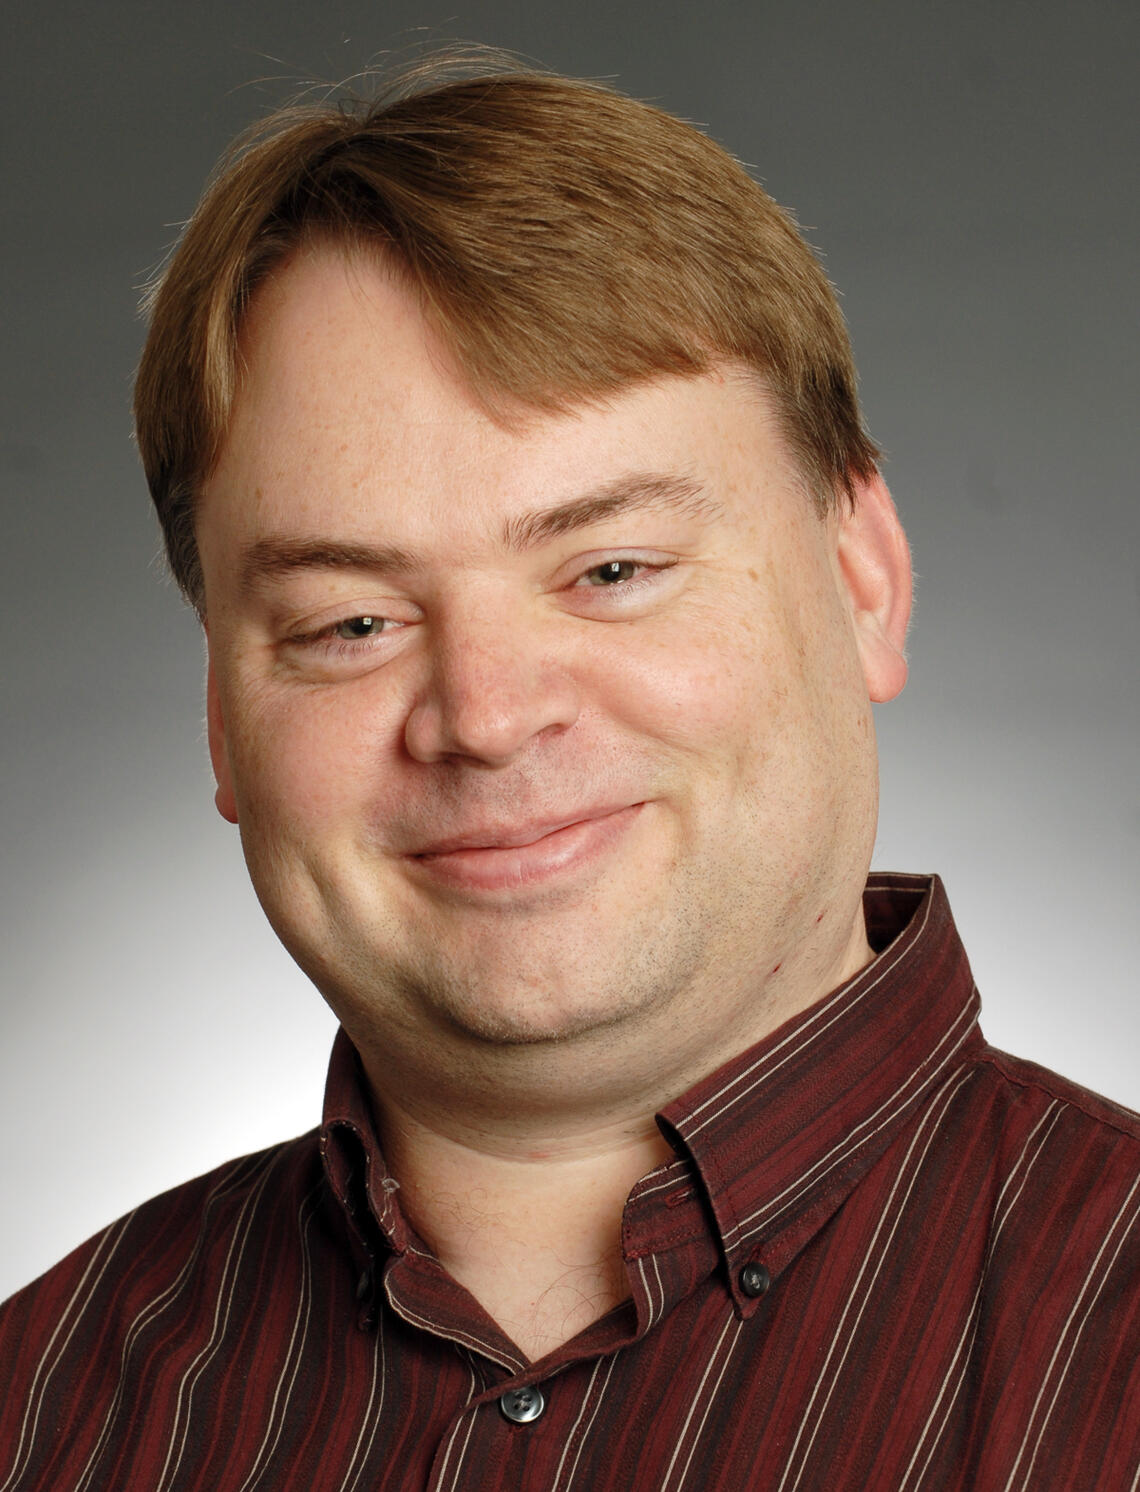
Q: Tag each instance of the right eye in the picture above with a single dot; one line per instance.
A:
(354, 628)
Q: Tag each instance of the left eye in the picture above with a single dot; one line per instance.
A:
(613, 572)
(356, 627)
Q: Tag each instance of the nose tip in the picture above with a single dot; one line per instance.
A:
(488, 705)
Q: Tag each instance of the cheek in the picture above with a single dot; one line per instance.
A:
(709, 689)
(303, 758)
(761, 700)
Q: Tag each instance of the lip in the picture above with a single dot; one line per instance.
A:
(506, 857)
(513, 836)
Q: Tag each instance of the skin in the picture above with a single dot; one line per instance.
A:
(556, 825)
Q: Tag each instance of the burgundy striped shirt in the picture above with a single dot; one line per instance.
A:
(885, 1256)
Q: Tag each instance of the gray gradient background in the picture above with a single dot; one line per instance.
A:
(969, 171)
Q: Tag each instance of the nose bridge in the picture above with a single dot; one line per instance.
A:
(493, 685)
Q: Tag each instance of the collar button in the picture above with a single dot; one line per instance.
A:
(754, 1280)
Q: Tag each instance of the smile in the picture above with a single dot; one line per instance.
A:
(500, 860)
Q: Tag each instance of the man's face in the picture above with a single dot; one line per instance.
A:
(532, 731)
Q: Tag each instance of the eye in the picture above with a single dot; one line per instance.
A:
(612, 572)
(356, 627)
(343, 646)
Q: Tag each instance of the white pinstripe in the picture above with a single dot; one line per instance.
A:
(680, 1164)
(153, 1308)
(113, 1236)
(371, 1415)
(112, 1239)
(514, 1364)
(931, 1121)
(295, 1349)
(960, 1358)
(811, 1031)
(470, 1417)
(1075, 1335)
(660, 1285)
(697, 1399)
(565, 1486)
(653, 1316)
(846, 1148)
(464, 1339)
(181, 1426)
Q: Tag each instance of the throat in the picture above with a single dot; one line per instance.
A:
(543, 1298)
(534, 1237)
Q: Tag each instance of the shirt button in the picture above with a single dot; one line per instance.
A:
(521, 1405)
(754, 1279)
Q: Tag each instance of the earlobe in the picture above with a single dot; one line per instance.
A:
(874, 560)
(219, 755)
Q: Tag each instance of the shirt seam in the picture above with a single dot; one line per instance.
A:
(997, 1060)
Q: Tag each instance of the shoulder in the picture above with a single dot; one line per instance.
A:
(1018, 1073)
(179, 1242)
(1028, 1097)
(1032, 1120)
(1055, 1170)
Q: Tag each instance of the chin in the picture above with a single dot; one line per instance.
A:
(528, 1018)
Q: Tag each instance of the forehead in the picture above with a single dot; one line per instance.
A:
(349, 399)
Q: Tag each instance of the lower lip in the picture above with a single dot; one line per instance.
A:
(512, 867)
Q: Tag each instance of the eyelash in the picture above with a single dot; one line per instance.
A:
(345, 647)
(648, 574)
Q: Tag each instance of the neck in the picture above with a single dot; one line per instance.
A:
(515, 1165)
(531, 1226)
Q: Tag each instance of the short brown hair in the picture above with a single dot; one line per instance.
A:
(567, 241)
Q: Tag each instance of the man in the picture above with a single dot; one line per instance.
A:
(504, 436)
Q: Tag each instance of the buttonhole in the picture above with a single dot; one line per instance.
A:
(674, 1199)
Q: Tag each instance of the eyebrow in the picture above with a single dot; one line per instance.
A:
(637, 492)
(270, 558)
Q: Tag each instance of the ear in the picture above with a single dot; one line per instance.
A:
(874, 561)
(219, 755)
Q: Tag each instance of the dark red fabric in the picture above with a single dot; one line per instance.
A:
(951, 1237)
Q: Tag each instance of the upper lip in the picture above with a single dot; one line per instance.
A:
(512, 836)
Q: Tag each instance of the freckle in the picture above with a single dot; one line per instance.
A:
(752, 575)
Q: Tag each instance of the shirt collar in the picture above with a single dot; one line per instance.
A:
(779, 1136)
(351, 1154)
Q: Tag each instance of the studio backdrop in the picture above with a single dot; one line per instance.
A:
(969, 174)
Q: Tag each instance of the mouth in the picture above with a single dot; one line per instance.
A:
(514, 856)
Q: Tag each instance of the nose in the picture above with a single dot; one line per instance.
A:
(494, 687)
